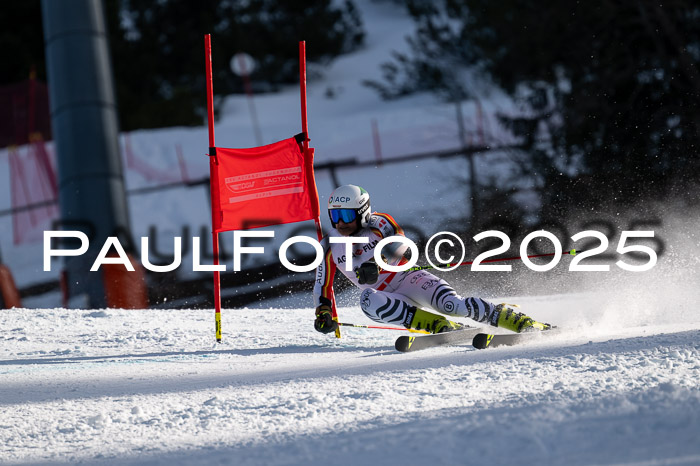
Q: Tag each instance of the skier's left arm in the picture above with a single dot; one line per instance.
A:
(385, 226)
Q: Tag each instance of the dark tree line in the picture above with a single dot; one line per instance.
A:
(158, 49)
(610, 89)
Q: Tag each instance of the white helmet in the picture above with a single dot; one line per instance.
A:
(349, 202)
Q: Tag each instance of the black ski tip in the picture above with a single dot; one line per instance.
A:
(481, 341)
(403, 343)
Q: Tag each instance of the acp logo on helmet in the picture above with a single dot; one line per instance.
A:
(332, 199)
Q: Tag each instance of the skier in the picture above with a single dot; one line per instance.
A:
(406, 298)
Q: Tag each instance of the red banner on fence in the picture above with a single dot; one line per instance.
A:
(266, 185)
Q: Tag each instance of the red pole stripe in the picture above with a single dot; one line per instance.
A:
(213, 187)
(210, 89)
(305, 130)
(302, 86)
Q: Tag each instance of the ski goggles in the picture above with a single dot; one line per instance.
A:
(346, 215)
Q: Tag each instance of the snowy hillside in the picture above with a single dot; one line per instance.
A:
(619, 385)
(151, 387)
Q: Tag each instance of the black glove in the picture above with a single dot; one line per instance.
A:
(367, 273)
(324, 322)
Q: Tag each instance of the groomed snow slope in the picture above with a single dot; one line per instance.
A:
(152, 387)
(620, 386)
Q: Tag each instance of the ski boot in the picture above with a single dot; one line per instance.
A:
(518, 322)
(433, 323)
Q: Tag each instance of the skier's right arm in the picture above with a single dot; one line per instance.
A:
(323, 291)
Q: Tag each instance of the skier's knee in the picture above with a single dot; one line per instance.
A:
(366, 301)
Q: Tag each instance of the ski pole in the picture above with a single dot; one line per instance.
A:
(573, 252)
(381, 327)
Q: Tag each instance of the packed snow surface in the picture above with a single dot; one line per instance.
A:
(153, 387)
(618, 386)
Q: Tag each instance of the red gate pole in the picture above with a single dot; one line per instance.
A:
(213, 187)
(305, 130)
